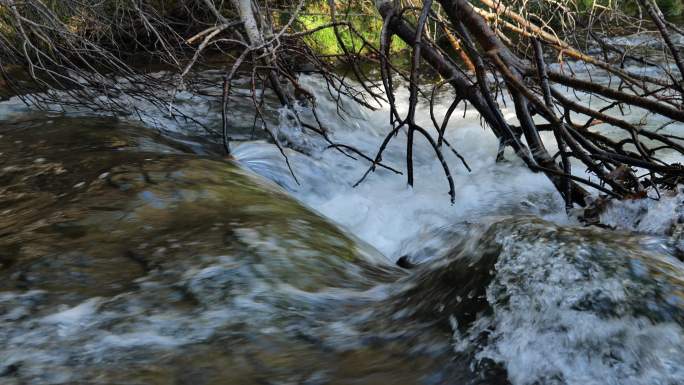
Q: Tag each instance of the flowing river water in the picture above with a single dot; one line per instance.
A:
(128, 256)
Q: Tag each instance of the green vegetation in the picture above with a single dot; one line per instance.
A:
(366, 24)
(584, 6)
(670, 7)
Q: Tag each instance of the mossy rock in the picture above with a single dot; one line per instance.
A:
(84, 199)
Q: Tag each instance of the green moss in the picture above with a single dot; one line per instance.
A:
(366, 26)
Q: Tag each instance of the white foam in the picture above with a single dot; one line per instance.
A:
(74, 314)
(565, 311)
(653, 216)
(383, 210)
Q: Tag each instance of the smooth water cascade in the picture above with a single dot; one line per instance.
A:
(130, 256)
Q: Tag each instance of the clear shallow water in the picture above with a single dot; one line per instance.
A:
(129, 258)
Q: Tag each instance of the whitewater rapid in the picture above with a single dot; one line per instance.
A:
(555, 303)
(383, 210)
(399, 219)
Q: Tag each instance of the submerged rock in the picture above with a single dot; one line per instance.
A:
(123, 254)
(545, 304)
(88, 208)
